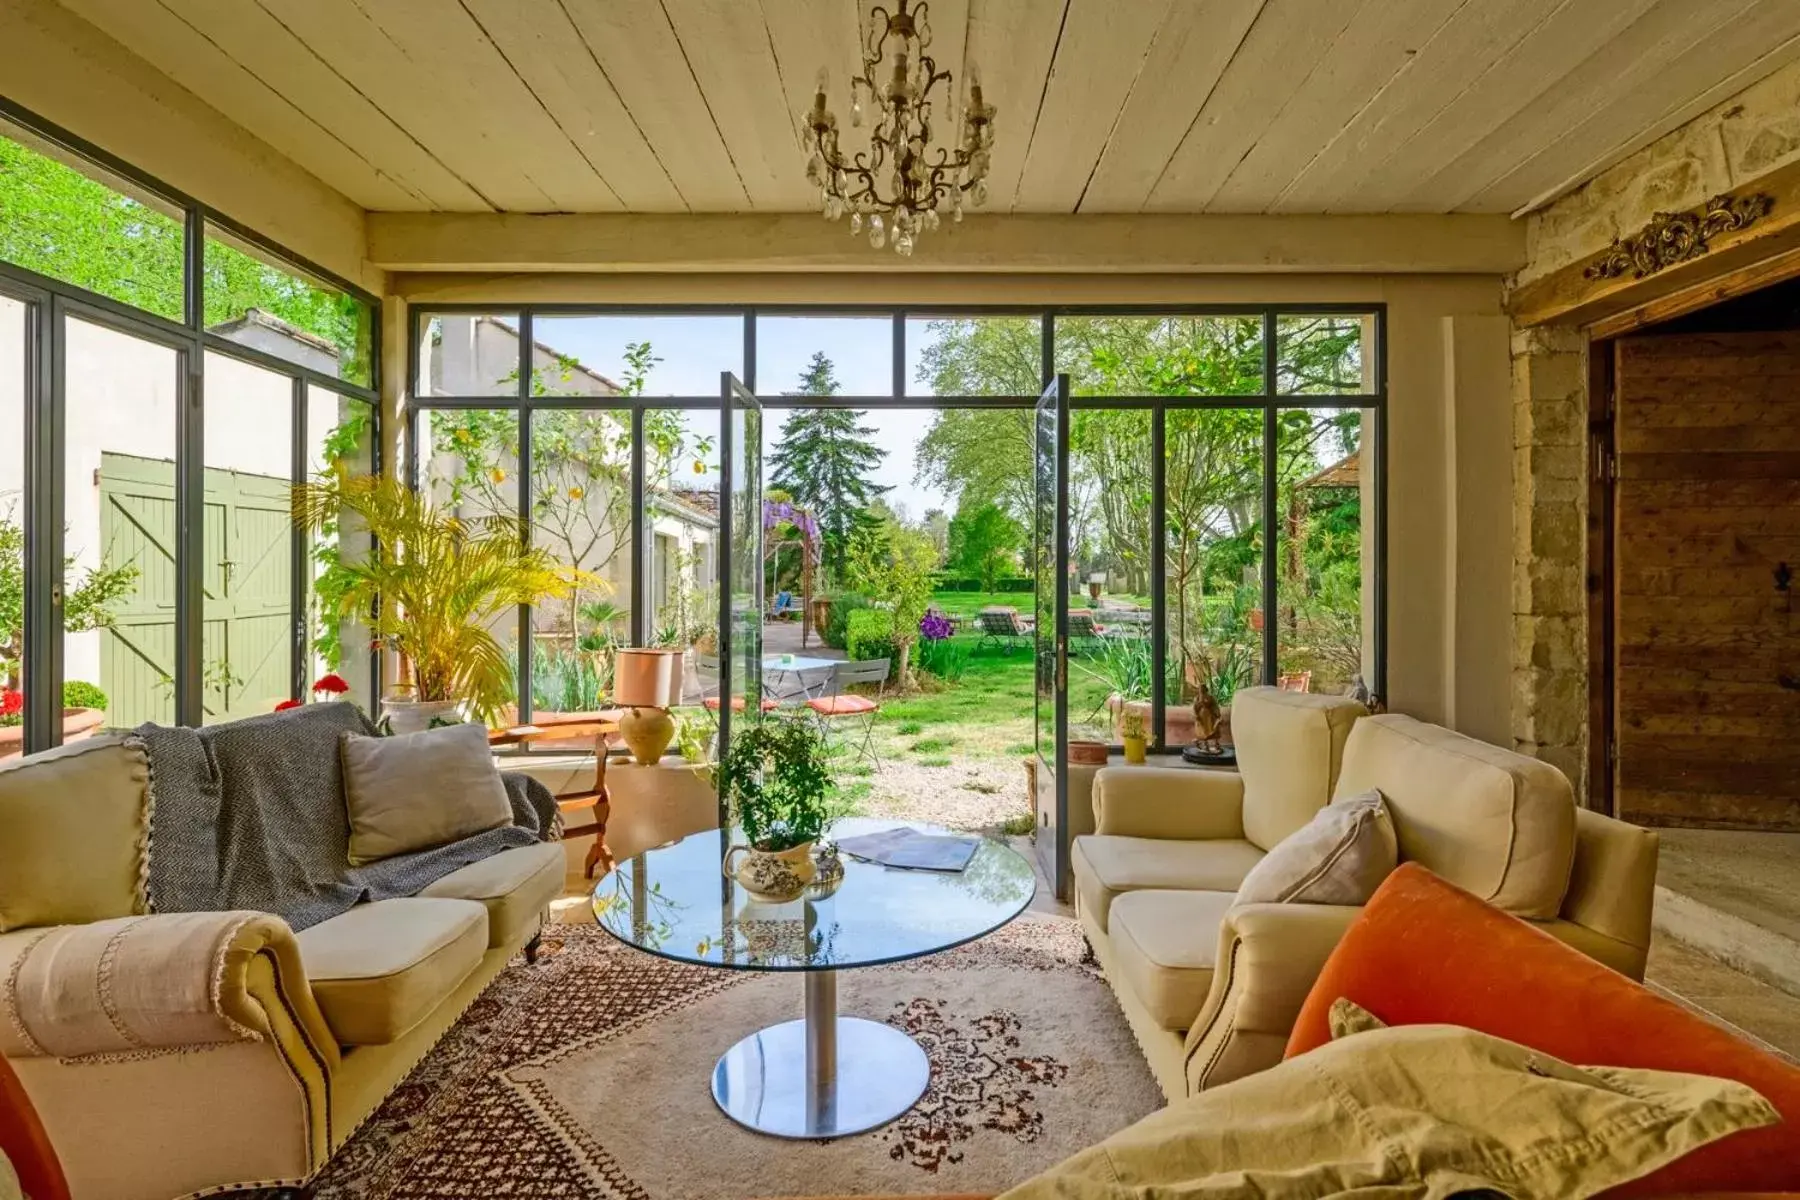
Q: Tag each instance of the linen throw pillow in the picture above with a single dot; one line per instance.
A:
(1339, 857)
(1419, 1111)
(415, 791)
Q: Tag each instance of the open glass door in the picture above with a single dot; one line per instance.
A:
(740, 559)
(1050, 561)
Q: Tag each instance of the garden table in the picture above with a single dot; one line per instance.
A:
(780, 666)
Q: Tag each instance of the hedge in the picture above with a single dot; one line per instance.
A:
(871, 636)
(964, 583)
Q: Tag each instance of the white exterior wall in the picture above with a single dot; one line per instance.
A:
(477, 356)
(121, 400)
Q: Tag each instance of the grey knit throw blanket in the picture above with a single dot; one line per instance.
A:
(250, 815)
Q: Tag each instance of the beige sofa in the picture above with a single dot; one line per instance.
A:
(1212, 990)
(170, 1054)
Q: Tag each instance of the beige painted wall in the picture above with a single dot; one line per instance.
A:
(71, 73)
(1449, 453)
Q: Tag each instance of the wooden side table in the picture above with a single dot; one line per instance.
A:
(593, 798)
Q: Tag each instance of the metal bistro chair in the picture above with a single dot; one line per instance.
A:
(706, 669)
(838, 703)
(1003, 628)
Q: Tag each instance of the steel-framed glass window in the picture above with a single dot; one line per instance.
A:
(110, 384)
(1308, 427)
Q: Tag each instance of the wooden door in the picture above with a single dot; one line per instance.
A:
(137, 650)
(1707, 634)
(246, 581)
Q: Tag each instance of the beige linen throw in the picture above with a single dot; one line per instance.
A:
(1420, 1112)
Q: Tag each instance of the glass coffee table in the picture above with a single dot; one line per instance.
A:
(825, 1075)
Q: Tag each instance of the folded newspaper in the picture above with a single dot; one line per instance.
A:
(912, 850)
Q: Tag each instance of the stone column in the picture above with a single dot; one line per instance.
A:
(1549, 644)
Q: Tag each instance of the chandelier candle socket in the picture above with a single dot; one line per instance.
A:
(899, 185)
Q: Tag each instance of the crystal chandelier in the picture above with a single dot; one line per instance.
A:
(898, 186)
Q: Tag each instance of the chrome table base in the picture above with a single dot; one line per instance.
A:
(822, 1077)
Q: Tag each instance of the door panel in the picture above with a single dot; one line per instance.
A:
(248, 630)
(1707, 638)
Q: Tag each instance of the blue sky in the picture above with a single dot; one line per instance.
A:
(694, 349)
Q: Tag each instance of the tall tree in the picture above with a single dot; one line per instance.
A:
(824, 460)
(984, 543)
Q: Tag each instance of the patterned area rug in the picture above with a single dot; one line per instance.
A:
(587, 1077)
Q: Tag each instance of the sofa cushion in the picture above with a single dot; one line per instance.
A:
(72, 827)
(1107, 864)
(1164, 946)
(515, 885)
(1492, 822)
(416, 791)
(1289, 748)
(1426, 953)
(380, 968)
(1339, 857)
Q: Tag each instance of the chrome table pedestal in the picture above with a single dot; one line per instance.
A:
(822, 1077)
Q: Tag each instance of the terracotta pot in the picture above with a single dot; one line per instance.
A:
(1090, 754)
(77, 723)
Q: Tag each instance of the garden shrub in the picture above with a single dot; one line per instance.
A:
(1016, 583)
(871, 635)
(79, 693)
(837, 626)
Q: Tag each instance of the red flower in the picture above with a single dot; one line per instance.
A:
(287, 704)
(11, 703)
(333, 684)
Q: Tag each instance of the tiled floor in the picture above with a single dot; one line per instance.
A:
(1751, 1006)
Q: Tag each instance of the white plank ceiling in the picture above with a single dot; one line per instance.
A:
(1106, 106)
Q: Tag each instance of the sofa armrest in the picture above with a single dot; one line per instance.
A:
(1181, 803)
(1269, 957)
(160, 983)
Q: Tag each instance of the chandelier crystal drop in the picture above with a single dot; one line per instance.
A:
(897, 186)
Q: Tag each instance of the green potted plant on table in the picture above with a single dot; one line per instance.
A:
(776, 777)
(438, 585)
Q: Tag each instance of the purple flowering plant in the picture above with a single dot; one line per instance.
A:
(935, 627)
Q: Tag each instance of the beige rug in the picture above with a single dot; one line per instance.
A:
(588, 1077)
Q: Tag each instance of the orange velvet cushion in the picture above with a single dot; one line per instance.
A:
(1425, 952)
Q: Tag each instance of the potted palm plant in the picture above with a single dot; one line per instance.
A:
(437, 585)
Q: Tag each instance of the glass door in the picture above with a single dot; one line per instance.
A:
(1050, 561)
(740, 559)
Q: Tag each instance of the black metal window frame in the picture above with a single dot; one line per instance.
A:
(1270, 401)
(49, 303)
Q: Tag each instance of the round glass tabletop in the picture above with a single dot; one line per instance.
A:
(676, 901)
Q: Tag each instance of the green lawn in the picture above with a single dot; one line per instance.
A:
(988, 711)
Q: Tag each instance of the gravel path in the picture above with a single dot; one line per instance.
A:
(972, 794)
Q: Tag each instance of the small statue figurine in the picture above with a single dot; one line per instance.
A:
(1207, 721)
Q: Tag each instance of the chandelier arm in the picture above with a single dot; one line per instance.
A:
(879, 21)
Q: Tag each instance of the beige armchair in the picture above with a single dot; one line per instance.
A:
(1212, 990)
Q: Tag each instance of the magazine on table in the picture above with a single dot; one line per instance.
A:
(911, 850)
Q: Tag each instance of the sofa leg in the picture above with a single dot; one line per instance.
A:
(532, 947)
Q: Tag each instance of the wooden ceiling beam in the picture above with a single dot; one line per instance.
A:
(1030, 244)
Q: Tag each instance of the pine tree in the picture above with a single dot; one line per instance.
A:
(824, 460)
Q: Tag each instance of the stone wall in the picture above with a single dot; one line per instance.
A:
(1725, 148)
(1550, 501)
(1730, 144)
